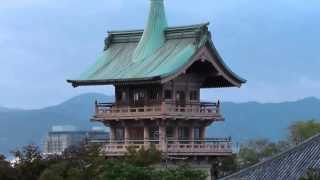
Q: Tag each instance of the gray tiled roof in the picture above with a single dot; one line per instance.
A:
(289, 165)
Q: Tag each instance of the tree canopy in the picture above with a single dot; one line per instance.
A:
(84, 162)
(302, 130)
(312, 174)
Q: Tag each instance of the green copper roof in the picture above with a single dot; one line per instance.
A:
(153, 36)
(116, 62)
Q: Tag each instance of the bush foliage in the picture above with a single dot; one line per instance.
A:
(85, 163)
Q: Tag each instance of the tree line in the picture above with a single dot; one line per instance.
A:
(84, 162)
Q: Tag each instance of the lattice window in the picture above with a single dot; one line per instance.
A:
(194, 95)
(168, 94)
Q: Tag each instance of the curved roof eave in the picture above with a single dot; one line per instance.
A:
(236, 80)
(77, 83)
(224, 65)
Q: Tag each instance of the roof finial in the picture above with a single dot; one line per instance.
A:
(153, 36)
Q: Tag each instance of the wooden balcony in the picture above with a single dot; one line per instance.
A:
(208, 147)
(166, 110)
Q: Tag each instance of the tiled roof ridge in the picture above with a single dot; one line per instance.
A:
(182, 27)
(315, 138)
(177, 32)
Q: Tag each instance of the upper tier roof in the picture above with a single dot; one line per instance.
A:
(157, 53)
(116, 64)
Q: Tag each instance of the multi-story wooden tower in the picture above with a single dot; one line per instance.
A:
(157, 74)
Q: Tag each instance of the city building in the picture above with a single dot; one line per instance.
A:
(157, 74)
(60, 139)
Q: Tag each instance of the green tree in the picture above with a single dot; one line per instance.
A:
(312, 174)
(57, 171)
(223, 166)
(258, 150)
(247, 157)
(50, 174)
(6, 171)
(302, 130)
(120, 170)
(30, 163)
(63, 170)
(81, 162)
(143, 157)
(181, 172)
(117, 170)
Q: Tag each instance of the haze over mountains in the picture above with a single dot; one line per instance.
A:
(4, 109)
(264, 120)
(243, 120)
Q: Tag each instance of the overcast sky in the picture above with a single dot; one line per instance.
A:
(274, 44)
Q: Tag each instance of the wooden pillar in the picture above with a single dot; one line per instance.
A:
(126, 135)
(146, 136)
(203, 133)
(191, 134)
(176, 134)
(112, 133)
(162, 137)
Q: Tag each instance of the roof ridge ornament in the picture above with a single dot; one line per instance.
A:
(153, 35)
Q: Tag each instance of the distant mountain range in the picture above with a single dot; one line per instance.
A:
(251, 120)
(21, 127)
(243, 120)
(4, 109)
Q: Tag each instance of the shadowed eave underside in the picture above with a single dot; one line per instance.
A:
(116, 64)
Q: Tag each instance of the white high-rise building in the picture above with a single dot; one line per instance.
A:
(61, 137)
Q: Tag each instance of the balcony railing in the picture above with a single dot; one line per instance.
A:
(211, 147)
(196, 110)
